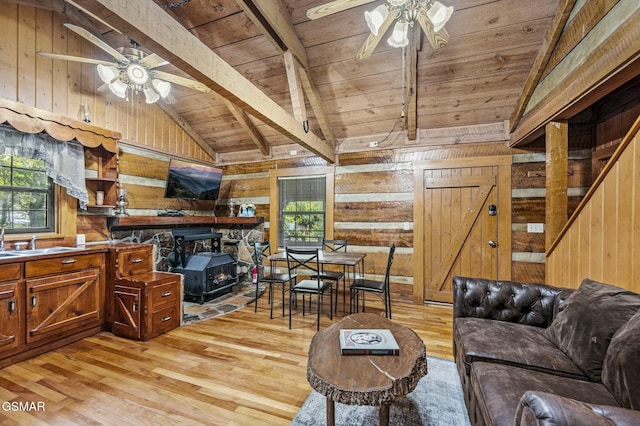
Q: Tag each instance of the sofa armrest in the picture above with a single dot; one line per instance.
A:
(524, 303)
(541, 408)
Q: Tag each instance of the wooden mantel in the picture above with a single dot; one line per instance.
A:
(179, 221)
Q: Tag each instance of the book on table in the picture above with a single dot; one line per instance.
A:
(368, 342)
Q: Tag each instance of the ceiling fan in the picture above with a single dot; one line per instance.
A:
(430, 15)
(131, 70)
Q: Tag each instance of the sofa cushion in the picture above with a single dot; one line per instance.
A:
(498, 388)
(621, 367)
(477, 339)
(587, 320)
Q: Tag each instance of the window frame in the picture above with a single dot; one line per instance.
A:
(51, 207)
(274, 198)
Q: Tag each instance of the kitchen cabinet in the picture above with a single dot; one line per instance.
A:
(47, 301)
(11, 307)
(64, 295)
(146, 305)
(142, 303)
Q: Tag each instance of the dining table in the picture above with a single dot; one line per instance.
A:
(352, 260)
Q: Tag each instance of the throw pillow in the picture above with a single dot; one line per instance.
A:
(587, 320)
(622, 364)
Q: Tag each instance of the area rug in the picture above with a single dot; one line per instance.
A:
(436, 401)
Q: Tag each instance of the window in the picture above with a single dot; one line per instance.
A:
(302, 220)
(26, 195)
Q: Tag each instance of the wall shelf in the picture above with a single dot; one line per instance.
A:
(179, 221)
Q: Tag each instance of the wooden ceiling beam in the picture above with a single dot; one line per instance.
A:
(151, 26)
(249, 127)
(295, 87)
(274, 21)
(411, 89)
(544, 54)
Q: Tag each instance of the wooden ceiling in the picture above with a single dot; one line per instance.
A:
(476, 79)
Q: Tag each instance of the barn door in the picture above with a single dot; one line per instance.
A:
(460, 229)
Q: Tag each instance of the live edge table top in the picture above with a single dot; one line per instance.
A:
(365, 379)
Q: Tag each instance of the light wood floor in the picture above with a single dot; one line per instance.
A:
(239, 369)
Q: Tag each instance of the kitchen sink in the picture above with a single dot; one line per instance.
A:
(46, 250)
(5, 254)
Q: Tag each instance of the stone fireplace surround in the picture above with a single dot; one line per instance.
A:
(238, 236)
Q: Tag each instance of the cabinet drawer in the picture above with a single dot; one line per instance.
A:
(166, 294)
(134, 261)
(164, 320)
(58, 265)
(10, 272)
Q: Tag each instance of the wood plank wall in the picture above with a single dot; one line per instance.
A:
(602, 240)
(62, 86)
(528, 207)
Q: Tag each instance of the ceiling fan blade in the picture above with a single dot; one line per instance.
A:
(74, 58)
(334, 7)
(372, 41)
(152, 61)
(172, 78)
(436, 39)
(95, 40)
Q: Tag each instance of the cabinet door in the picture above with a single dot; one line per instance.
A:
(11, 319)
(134, 261)
(61, 305)
(127, 312)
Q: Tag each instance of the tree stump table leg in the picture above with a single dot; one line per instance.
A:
(384, 415)
(331, 412)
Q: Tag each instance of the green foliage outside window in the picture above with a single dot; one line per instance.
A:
(26, 195)
(303, 221)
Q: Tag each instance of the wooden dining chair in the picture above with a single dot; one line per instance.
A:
(363, 285)
(307, 259)
(261, 253)
(335, 276)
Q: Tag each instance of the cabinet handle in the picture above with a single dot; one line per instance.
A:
(166, 294)
(165, 319)
(33, 301)
(135, 307)
(68, 261)
(136, 260)
(12, 305)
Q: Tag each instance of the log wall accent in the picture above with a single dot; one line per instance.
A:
(528, 199)
(602, 238)
(61, 87)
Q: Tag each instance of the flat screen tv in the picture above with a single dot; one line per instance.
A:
(192, 181)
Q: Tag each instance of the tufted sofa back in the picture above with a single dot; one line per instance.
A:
(524, 303)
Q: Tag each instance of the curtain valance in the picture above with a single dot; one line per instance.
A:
(63, 160)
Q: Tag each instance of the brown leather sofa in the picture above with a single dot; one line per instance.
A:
(533, 354)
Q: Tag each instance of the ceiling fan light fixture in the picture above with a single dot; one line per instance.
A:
(150, 95)
(137, 74)
(399, 35)
(118, 88)
(161, 86)
(439, 15)
(375, 18)
(107, 73)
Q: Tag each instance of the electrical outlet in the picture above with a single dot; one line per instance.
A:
(535, 228)
(373, 144)
(80, 239)
(293, 152)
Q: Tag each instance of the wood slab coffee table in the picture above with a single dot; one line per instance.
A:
(374, 380)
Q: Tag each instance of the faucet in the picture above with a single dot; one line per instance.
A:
(2, 239)
(33, 242)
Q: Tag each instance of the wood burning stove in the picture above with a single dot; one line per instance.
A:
(205, 274)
